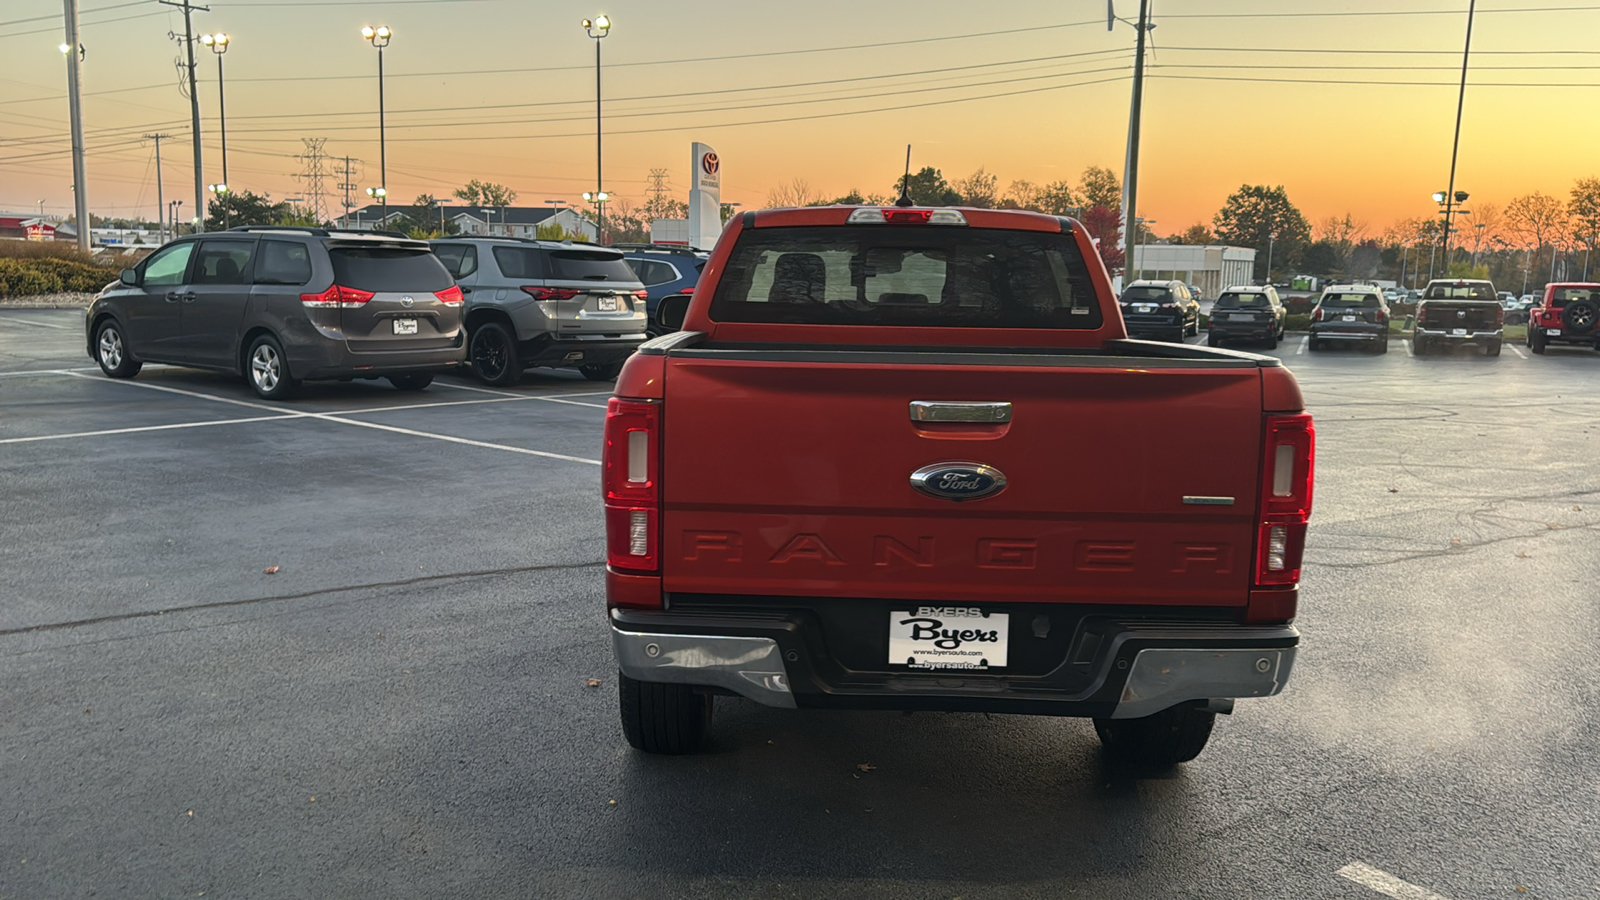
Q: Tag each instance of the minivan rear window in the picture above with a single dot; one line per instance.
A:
(1350, 301)
(590, 265)
(907, 276)
(388, 269)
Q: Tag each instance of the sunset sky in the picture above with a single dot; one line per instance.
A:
(1240, 91)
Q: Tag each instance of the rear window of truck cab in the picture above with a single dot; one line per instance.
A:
(907, 276)
(1350, 301)
(1242, 301)
(1465, 290)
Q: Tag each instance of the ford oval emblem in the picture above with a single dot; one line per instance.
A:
(958, 480)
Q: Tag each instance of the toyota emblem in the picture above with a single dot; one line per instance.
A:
(406, 301)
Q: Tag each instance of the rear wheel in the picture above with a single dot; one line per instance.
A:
(1581, 317)
(1313, 344)
(1493, 349)
(1419, 346)
(268, 371)
(412, 381)
(1272, 340)
(1213, 339)
(1383, 346)
(1536, 339)
(1165, 739)
(111, 351)
(494, 355)
(606, 372)
(663, 718)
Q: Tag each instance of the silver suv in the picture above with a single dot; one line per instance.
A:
(543, 303)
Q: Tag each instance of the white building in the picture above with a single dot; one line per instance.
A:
(1210, 266)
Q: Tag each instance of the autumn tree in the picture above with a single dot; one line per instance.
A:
(1535, 220)
(485, 193)
(1584, 210)
(1197, 234)
(1262, 217)
(1105, 229)
(928, 188)
(1021, 195)
(1100, 187)
(980, 189)
(1059, 199)
(796, 192)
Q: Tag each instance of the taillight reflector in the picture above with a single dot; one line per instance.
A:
(631, 475)
(450, 296)
(1285, 505)
(336, 297)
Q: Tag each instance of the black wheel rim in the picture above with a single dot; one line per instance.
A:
(1582, 317)
(489, 353)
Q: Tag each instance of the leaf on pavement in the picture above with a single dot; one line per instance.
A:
(866, 767)
(270, 570)
(593, 682)
(1394, 490)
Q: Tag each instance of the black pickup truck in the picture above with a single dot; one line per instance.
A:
(1458, 311)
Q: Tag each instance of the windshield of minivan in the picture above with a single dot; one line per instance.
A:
(1350, 301)
(1243, 301)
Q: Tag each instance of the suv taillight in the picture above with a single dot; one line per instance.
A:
(544, 293)
(450, 296)
(1381, 317)
(631, 476)
(336, 297)
(1285, 507)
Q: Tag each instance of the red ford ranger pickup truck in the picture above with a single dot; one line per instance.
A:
(906, 458)
(1569, 313)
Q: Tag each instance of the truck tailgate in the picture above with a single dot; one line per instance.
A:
(791, 477)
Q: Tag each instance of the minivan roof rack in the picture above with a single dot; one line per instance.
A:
(298, 229)
(680, 249)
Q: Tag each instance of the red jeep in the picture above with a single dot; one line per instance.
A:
(1569, 313)
(907, 459)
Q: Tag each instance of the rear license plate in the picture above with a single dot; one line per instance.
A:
(1143, 310)
(1554, 332)
(1241, 317)
(607, 304)
(405, 326)
(1347, 318)
(1458, 331)
(948, 637)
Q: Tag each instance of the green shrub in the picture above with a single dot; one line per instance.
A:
(23, 276)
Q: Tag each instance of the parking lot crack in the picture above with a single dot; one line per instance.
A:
(251, 601)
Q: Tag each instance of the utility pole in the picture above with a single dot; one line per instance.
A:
(1455, 146)
(80, 187)
(347, 185)
(161, 204)
(194, 105)
(1130, 170)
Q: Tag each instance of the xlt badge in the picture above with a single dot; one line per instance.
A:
(958, 480)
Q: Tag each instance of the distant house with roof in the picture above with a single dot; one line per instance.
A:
(495, 221)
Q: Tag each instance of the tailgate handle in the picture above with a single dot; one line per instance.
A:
(959, 411)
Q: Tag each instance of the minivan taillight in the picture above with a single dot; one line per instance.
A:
(450, 296)
(336, 297)
(1285, 506)
(631, 477)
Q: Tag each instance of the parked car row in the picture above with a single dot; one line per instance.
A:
(282, 305)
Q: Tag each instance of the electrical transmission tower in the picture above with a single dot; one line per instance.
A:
(658, 192)
(313, 172)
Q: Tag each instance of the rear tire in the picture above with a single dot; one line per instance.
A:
(1580, 317)
(607, 372)
(1272, 340)
(493, 352)
(414, 381)
(1419, 346)
(1536, 340)
(111, 351)
(1383, 346)
(1213, 339)
(1493, 349)
(268, 371)
(663, 718)
(1162, 740)
(1313, 344)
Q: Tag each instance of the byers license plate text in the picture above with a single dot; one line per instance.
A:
(948, 637)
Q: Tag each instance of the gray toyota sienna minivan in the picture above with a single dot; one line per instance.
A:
(280, 305)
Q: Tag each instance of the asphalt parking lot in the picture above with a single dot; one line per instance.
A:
(403, 707)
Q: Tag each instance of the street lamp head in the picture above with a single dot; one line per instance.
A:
(377, 192)
(377, 37)
(218, 188)
(1438, 196)
(367, 31)
(603, 196)
(588, 196)
(65, 48)
(1461, 196)
(597, 27)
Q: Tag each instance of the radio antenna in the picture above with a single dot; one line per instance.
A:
(905, 183)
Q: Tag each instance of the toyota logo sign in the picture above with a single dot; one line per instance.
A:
(710, 163)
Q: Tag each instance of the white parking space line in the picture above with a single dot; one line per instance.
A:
(1407, 345)
(328, 417)
(173, 390)
(144, 428)
(1384, 883)
(545, 397)
(15, 321)
(1517, 350)
(34, 373)
(1304, 343)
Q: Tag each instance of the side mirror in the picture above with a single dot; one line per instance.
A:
(670, 312)
(129, 277)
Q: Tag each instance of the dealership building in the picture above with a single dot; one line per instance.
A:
(1212, 267)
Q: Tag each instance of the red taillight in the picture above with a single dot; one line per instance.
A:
(631, 476)
(1499, 315)
(687, 290)
(544, 293)
(1382, 318)
(1421, 314)
(642, 295)
(1285, 508)
(1316, 314)
(336, 296)
(450, 296)
(907, 216)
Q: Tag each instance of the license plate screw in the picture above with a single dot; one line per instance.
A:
(652, 650)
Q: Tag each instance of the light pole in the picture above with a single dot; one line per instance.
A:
(597, 28)
(220, 191)
(219, 45)
(598, 198)
(1448, 199)
(379, 37)
(73, 51)
(1477, 241)
(172, 214)
(1139, 244)
(380, 194)
(1272, 238)
(1450, 192)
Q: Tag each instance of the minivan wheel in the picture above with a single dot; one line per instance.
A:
(1169, 737)
(268, 371)
(494, 355)
(663, 718)
(111, 352)
(412, 381)
(606, 372)
(1213, 339)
